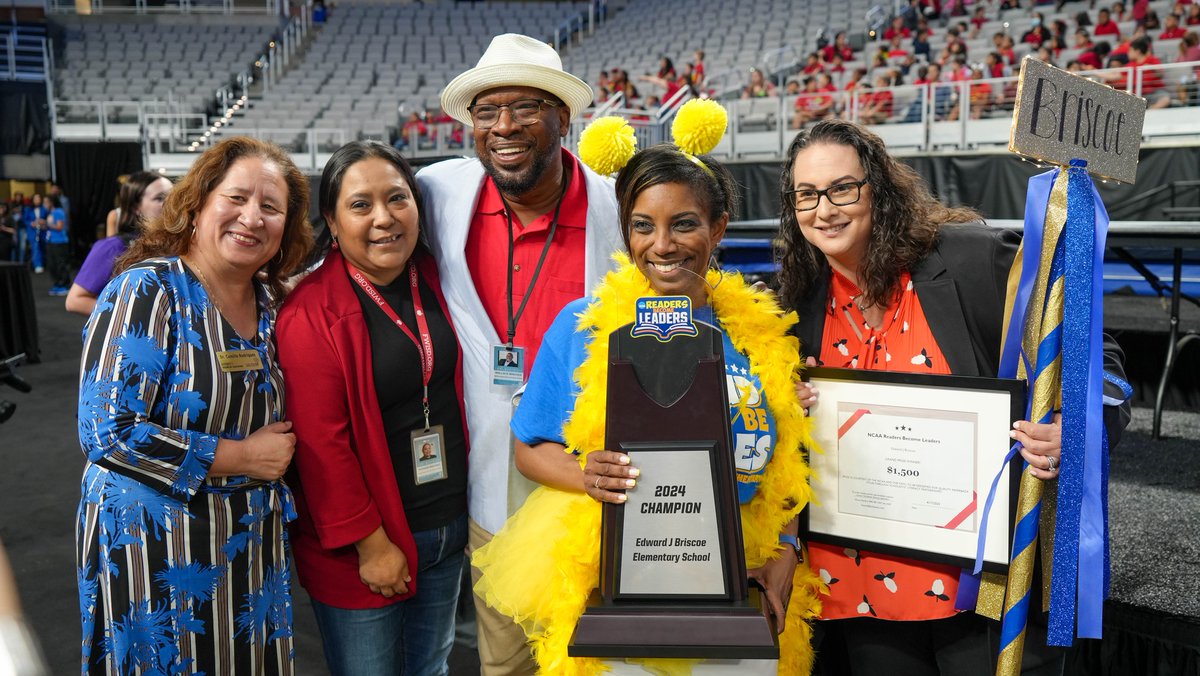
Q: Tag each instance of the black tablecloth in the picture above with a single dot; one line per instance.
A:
(18, 316)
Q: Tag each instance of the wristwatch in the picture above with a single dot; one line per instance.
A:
(794, 543)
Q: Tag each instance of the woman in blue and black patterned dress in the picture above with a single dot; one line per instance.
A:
(182, 552)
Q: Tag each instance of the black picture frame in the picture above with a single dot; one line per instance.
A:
(1015, 389)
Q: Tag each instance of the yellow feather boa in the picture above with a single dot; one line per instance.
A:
(542, 566)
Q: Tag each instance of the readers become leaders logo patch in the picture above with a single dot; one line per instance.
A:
(664, 317)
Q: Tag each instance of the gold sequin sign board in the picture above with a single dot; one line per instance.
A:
(1060, 116)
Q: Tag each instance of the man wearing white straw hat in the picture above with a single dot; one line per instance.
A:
(518, 231)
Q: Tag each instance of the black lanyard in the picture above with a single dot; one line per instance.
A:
(514, 318)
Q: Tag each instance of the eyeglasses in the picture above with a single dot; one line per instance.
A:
(840, 195)
(523, 111)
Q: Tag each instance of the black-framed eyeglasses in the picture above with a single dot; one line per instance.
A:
(839, 195)
(523, 111)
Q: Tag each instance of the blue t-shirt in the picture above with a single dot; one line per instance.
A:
(58, 236)
(549, 396)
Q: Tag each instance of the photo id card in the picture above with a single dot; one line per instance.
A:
(429, 455)
(508, 365)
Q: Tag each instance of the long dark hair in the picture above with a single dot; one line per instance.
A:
(129, 198)
(664, 163)
(905, 218)
(331, 186)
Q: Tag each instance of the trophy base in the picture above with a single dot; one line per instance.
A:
(701, 629)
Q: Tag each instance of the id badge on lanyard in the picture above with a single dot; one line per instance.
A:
(428, 442)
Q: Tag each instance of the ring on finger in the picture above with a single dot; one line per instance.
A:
(597, 484)
(1051, 464)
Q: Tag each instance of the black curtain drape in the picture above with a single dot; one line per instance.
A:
(87, 173)
(24, 118)
(994, 184)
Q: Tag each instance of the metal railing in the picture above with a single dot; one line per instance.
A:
(25, 57)
(270, 7)
(309, 148)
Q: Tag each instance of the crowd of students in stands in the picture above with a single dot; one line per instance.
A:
(826, 87)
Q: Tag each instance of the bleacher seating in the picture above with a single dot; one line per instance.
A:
(370, 62)
(142, 60)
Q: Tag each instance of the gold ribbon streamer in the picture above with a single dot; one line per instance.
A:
(1044, 315)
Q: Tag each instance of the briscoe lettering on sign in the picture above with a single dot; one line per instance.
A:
(1060, 116)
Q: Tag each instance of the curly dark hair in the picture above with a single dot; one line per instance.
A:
(905, 218)
(171, 233)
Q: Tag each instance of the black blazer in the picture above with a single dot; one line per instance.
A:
(962, 285)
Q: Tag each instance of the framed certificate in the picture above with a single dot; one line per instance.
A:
(904, 463)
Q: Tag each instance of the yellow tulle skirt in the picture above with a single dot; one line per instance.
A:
(542, 566)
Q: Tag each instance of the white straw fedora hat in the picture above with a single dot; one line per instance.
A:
(513, 60)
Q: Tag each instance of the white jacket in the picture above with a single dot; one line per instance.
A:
(450, 191)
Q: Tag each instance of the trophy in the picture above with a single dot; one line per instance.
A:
(672, 566)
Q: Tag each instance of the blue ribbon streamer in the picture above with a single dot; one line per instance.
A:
(1079, 544)
(1037, 200)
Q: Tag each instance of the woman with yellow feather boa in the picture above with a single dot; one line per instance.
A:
(542, 566)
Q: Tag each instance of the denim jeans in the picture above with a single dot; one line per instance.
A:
(412, 637)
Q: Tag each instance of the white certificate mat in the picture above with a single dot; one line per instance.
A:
(905, 462)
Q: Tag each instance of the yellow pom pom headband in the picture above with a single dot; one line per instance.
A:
(608, 143)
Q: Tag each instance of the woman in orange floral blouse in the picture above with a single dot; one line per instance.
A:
(883, 281)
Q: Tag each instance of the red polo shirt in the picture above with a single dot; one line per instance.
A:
(561, 279)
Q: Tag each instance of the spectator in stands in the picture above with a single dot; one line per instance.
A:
(1046, 55)
(413, 132)
(603, 87)
(920, 44)
(380, 538)
(994, 66)
(841, 45)
(519, 103)
(875, 104)
(758, 87)
(1153, 90)
(666, 69)
(978, 19)
(981, 94)
(1036, 34)
(1106, 26)
(895, 50)
(792, 88)
(1193, 15)
(141, 200)
(672, 85)
(8, 234)
(837, 66)
(1172, 30)
(35, 231)
(319, 12)
(1150, 22)
(1189, 52)
(58, 246)
(1083, 20)
(699, 69)
(812, 64)
(897, 29)
(1118, 12)
(861, 231)
(1083, 40)
(817, 101)
(1076, 66)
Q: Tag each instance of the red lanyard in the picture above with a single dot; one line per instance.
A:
(425, 344)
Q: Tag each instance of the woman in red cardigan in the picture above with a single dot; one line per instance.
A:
(373, 379)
